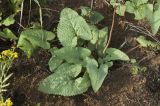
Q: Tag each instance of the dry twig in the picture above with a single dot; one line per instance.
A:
(111, 30)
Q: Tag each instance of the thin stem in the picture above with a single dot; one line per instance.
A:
(130, 50)
(92, 2)
(111, 30)
(29, 17)
(21, 15)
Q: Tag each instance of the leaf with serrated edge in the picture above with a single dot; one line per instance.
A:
(96, 75)
(140, 11)
(71, 27)
(32, 39)
(64, 81)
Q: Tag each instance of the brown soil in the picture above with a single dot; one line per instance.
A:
(120, 88)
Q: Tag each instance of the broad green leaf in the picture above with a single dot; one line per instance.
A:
(27, 46)
(146, 43)
(9, 20)
(71, 27)
(130, 7)
(32, 39)
(64, 81)
(71, 70)
(154, 20)
(54, 62)
(138, 10)
(115, 54)
(96, 75)
(72, 55)
(8, 34)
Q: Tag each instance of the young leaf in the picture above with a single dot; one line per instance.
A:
(99, 38)
(85, 11)
(96, 75)
(94, 16)
(71, 27)
(16, 5)
(31, 39)
(115, 54)
(8, 34)
(120, 8)
(64, 81)
(9, 20)
(146, 43)
(27, 46)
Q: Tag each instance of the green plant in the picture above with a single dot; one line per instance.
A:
(6, 32)
(147, 43)
(6, 60)
(32, 39)
(80, 62)
(15, 6)
(141, 9)
(7, 102)
(136, 68)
